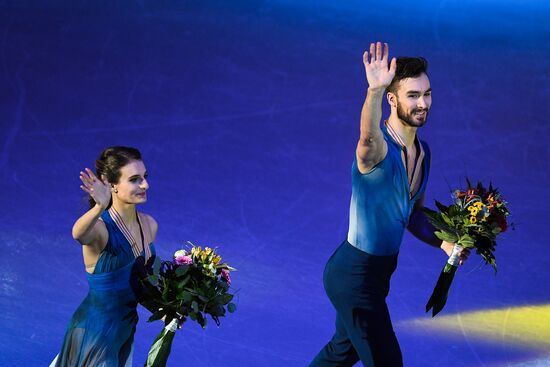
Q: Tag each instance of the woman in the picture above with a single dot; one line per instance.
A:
(112, 234)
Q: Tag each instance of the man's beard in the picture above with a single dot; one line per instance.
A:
(409, 119)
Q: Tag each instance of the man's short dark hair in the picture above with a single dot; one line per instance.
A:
(407, 67)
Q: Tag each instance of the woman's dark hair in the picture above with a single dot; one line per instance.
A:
(109, 163)
(407, 67)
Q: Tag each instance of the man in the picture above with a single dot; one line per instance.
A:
(389, 177)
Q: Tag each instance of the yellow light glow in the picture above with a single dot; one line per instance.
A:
(526, 326)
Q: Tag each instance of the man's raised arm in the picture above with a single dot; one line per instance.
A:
(372, 148)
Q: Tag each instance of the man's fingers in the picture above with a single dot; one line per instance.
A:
(463, 256)
(393, 65)
(386, 52)
(378, 52)
(372, 52)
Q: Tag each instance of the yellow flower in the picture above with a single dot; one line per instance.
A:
(207, 256)
(195, 251)
(478, 205)
(473, 220)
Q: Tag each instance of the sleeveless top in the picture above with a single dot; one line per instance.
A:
(101, 331)
(381, 200)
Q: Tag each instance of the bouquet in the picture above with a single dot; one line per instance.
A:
(193, 285)
(475, 219)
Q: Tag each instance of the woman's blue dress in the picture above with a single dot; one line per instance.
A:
(101, 331)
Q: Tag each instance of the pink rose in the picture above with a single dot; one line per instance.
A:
(225, 275)
(183, 260)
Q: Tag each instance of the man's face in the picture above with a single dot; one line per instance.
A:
(414, 99)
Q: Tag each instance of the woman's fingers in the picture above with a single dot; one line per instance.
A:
(92, 175)
(90, 180)
(85, 179)
(86, 190)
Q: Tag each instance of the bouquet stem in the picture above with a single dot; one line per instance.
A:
(160, 350)
(438, 299)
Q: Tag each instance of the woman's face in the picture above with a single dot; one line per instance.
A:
(132, 185)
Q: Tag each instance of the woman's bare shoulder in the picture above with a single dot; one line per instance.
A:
(151, 221)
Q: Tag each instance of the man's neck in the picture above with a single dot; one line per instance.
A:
(126, 211)
(406, 133)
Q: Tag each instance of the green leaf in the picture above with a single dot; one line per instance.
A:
(156, 266)
(153, 279)
(223, 287)
(466, 241)
(446, 236)
(216, 320)
(195, 306)
(217, 311)
(441, 207)
(186, 296)
(431, 214)
(446, 219)
(454, 210)
(203, 298)
(223, 298)
(181, 270)
(201, 320)
(231, 307)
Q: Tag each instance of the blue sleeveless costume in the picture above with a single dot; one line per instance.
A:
(381, 204)
(101, 331)
(357, 276)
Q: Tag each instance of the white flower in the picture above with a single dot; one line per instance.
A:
(180, 253)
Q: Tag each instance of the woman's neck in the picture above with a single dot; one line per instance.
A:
(126, 211)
